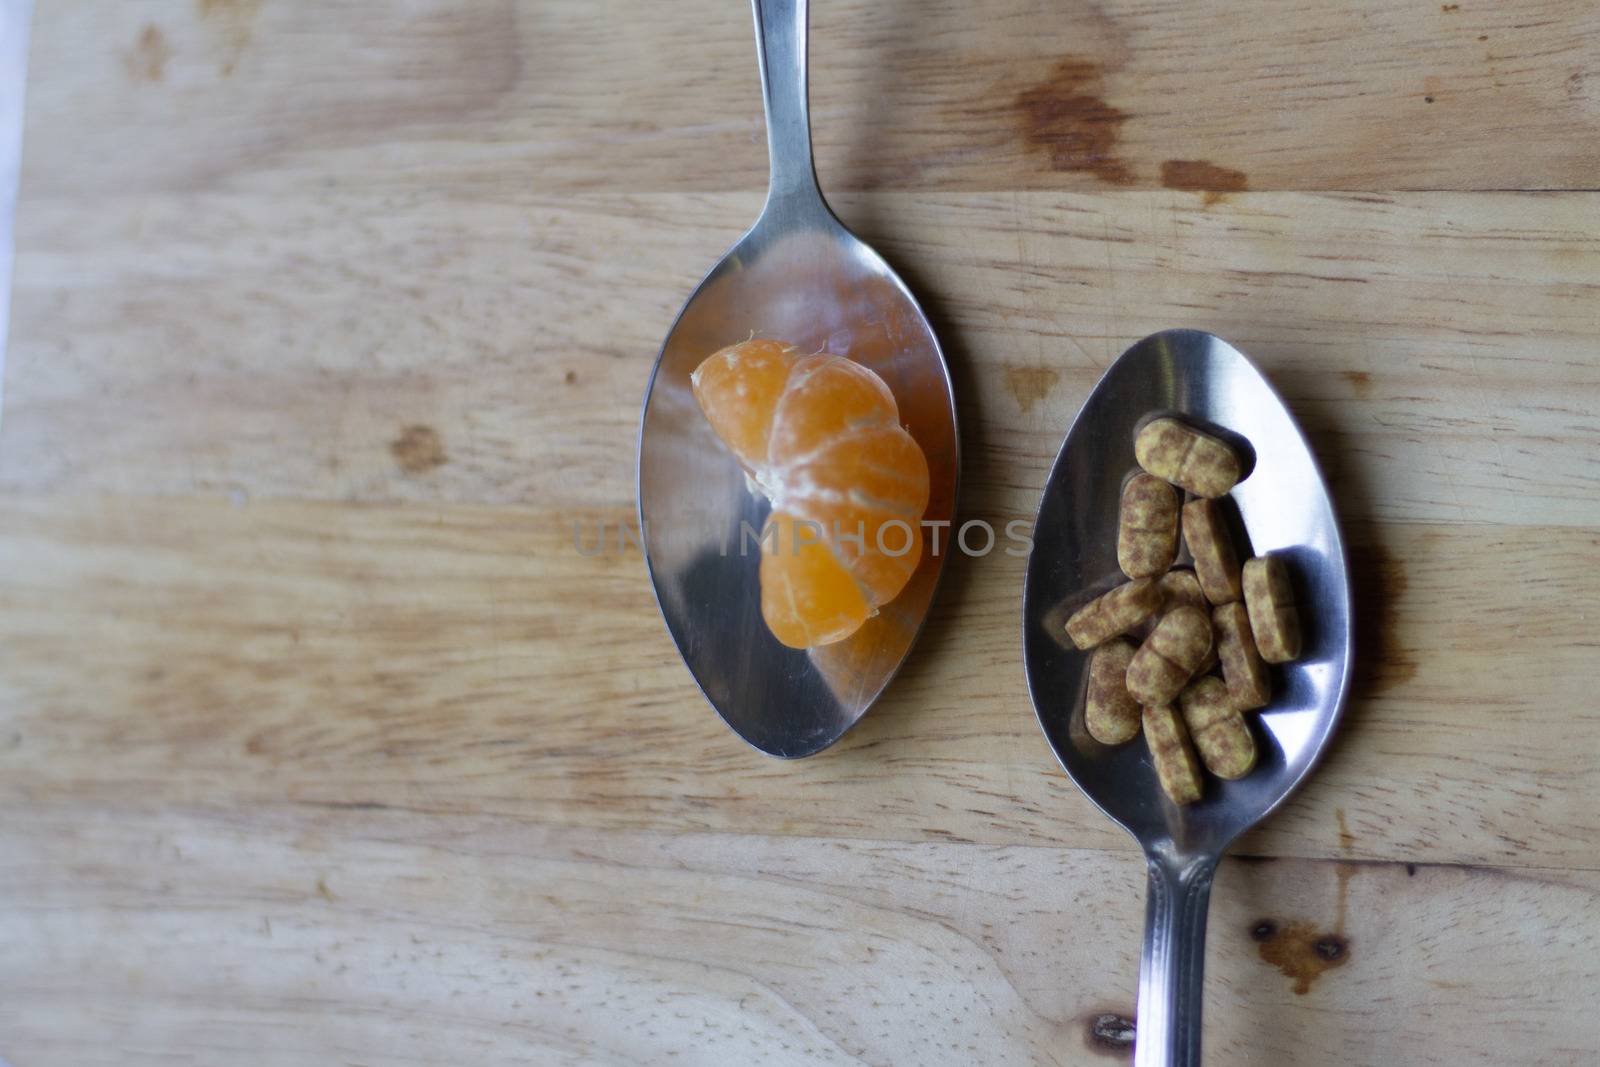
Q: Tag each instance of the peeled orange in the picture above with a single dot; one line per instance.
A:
(820, 435)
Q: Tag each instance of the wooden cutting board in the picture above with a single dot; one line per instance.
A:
(320, 742)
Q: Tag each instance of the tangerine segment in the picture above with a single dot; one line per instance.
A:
(868, 492)
(808, 598)
(821, 437)
(827, 396)
(879, 469)
(880, 551)
(738, 389)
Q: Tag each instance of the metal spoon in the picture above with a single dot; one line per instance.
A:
(800, 276)
(1286, 508)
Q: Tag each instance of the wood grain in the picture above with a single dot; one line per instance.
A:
(577, 95)
(393, 937)
(436, 659)
(1440, 348)
(322, 742)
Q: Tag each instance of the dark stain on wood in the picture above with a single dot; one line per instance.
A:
(1029, 385)
(1109, 1032)
(1301, 951)
(571, 377)
(1065, 118)
(418, 449)
(1253, 860)
(1411, 870)
(147, 60)
(1203, 176)
(1449, 9)
(1380, 582)
(1347, 840)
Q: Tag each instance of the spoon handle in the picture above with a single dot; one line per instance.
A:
(1172, 968)
(781, 48)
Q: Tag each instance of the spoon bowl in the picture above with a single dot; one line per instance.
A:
(1285, 508)
(800, 276)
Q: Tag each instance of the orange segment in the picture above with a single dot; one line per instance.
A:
(827, 396)
(738, 389)
(878, 469)
(848, 484)
(868, 491)
(807, 597)
(879, 551)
